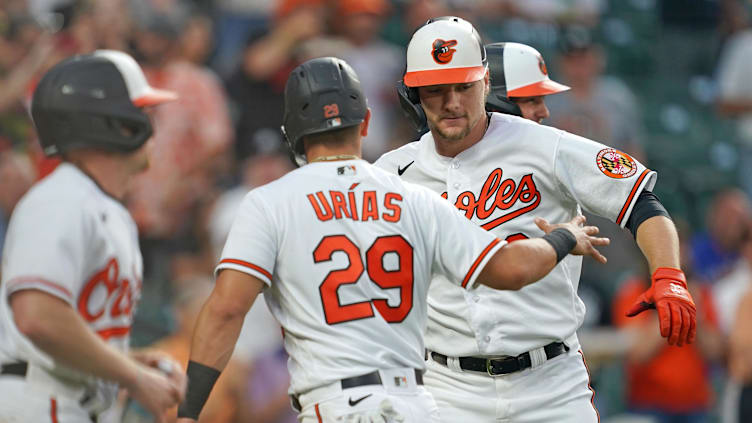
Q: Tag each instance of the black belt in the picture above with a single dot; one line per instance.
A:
(373, 378)
(504, 365)
(15, 369)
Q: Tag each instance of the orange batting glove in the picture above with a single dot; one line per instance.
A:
(676, 310)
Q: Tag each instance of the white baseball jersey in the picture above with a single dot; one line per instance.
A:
(517, 171)
(70, 239)
(347, 252)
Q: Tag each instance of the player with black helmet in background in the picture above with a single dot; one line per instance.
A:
(71, 270)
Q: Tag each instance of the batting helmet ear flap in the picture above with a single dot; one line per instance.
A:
(297, 158)
(497, 103)
(410, 103)
(498, 100)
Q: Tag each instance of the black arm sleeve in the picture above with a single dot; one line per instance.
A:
(646, 206)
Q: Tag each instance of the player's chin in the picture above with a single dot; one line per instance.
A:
(453, 132)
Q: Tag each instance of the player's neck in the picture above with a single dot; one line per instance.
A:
(451, 148)
(109, 173)
(320, 153)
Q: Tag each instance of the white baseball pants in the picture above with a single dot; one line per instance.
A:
(556, 391)
(21, 402)
(399, 399)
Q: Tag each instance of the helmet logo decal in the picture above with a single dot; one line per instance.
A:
(331, 110)
(442, 51)
(615, 164)
(333, 123)
(542, 66)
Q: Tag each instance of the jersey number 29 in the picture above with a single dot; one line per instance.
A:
(401, 278)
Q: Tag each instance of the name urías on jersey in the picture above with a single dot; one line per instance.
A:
(356, 206)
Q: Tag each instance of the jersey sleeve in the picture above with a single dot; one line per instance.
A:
(460, 248)
(45, 249)
(251, 246)
(603, 180)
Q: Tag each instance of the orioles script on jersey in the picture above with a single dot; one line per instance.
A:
(499, 194)
(108, 293)
(338, 205)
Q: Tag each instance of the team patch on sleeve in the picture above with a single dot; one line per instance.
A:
(616, 164)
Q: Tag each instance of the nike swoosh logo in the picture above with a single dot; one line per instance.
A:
(401, 170)
(354, 403)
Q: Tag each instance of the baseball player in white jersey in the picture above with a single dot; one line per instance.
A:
(344, 252)
(71, 268)
(498, 356)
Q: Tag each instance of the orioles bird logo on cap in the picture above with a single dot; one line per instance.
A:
(542, 66)
(442, 51)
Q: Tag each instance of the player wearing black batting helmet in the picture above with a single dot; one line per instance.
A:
(95, 100)
(72, 267)
(361, 361)
(321, 95)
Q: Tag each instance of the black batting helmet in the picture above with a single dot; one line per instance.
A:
(94, 100)
(321, 95)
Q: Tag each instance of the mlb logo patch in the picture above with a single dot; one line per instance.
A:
(400, 381)
(346, 170)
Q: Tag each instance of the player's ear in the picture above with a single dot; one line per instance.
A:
(487, 83)
(364, 125)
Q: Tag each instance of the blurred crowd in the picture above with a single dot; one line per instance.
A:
(229, 59)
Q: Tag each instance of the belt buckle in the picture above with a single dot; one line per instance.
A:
(489, 369)
(520, 359)
(489, 366)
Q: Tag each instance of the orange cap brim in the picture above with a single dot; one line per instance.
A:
(544, 87)
(444, 76)
(155, 97)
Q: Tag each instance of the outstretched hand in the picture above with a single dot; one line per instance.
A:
(676, 310)
(585, 235)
